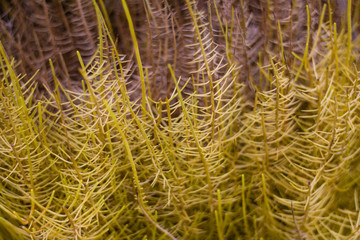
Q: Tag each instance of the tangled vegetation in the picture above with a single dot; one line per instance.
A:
(179, 119)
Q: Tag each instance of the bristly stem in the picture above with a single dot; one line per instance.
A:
(209, 74)
(198, 145)
(140, 193)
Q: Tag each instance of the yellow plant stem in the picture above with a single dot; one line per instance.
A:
(139, 189)
(198, 145)
(306, 51)
(203, 53)
(137, 54)
(349, 33)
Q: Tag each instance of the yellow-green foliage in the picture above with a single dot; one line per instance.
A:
(216, 163)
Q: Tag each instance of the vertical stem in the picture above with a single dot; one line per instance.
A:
(137, 53)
